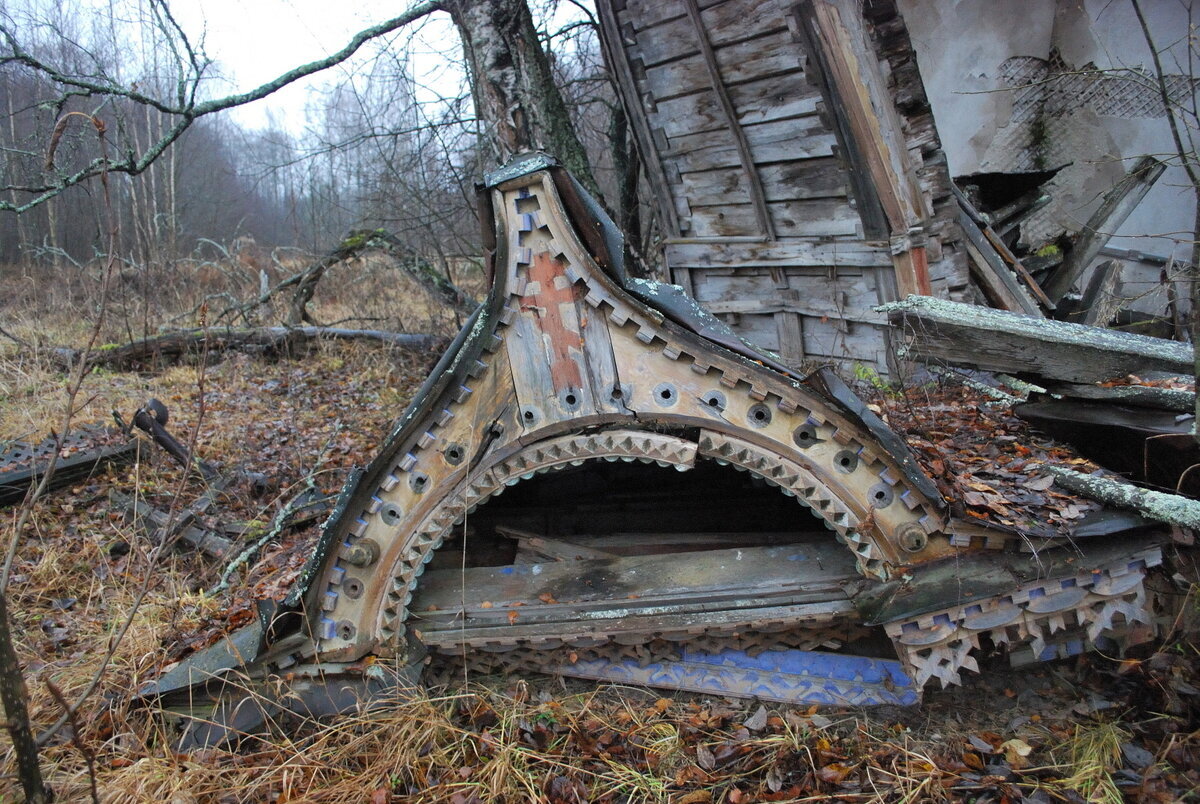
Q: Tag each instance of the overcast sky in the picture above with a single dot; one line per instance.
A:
(253, 41)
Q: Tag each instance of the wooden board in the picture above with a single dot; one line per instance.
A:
(784, 254)
(825, 217)
(770, 54)
(760, 101)
(993, 340)
(776, 141)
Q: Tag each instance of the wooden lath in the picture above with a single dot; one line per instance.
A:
(871, 133)
(619, 68)
(754, 181)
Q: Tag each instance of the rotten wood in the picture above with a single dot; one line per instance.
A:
(172, 347)
(1118, 203)
(993, 340)
(163, 525)
(1173, 509)
(982, 237)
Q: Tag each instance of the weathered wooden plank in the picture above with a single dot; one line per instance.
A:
(553, 549)
(840, 339)
(824, 217)
(778, 255)
(995, 340)
(753, 182)
(560, 590)
(774, 98)
(645, 543)
(776, 141)
(836, 29)
(1101, 297)
(985, 240)
(727, 23)
(770, 54)
(785, 181)
(998, 282)
(790, 332)
(618, 64)
(812, 307)
(1118, 203)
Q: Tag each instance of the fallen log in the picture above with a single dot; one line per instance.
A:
(1172, 509)
(940, 331)
(171, 347)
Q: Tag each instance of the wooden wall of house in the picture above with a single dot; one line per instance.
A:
(770, 222)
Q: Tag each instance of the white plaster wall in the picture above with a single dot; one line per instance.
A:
(960, 45)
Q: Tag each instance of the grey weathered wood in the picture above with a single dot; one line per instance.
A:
(819, 217)
(983, 238)
(774, 141)
(999, 283)
(994, 340)
(790, 331)
(1118, 203)
(1143, 396)
(1174, 509)
(806, 179)
(1101, 299)
(776, 97)
(725, 22)
(769, 54)
(630, 97)
(553, 549)
(782, 254)
(753, 182)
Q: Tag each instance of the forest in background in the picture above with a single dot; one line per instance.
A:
(370, 154)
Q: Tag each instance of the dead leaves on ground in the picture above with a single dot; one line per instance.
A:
(986, 461)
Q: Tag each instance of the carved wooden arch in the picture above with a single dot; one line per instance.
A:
(565, 359)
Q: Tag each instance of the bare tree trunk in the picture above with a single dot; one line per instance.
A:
(514, 90)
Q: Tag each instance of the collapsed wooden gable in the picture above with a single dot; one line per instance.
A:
(795, 164)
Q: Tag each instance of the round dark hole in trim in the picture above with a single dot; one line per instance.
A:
(846, 461)
(453, 454)
(353, 588)
(714, 400)
(664, 394)
(419, 482)
(570, 399)
(391, 513)
(528, 415)
(759, 415)
(882, 495)
(805, 436)
(617, 393)
(346, 630)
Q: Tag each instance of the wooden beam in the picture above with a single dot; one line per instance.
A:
(992, 240)
(1118, 203)
(753, 180)
(998, 282)
(943, 331)
(1101, 299)
(853, 74)
(618, 66)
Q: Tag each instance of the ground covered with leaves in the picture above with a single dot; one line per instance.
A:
(96, 600)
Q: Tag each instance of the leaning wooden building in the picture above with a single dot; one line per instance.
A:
(797, 168)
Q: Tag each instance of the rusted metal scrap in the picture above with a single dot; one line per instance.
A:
(558, 414)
